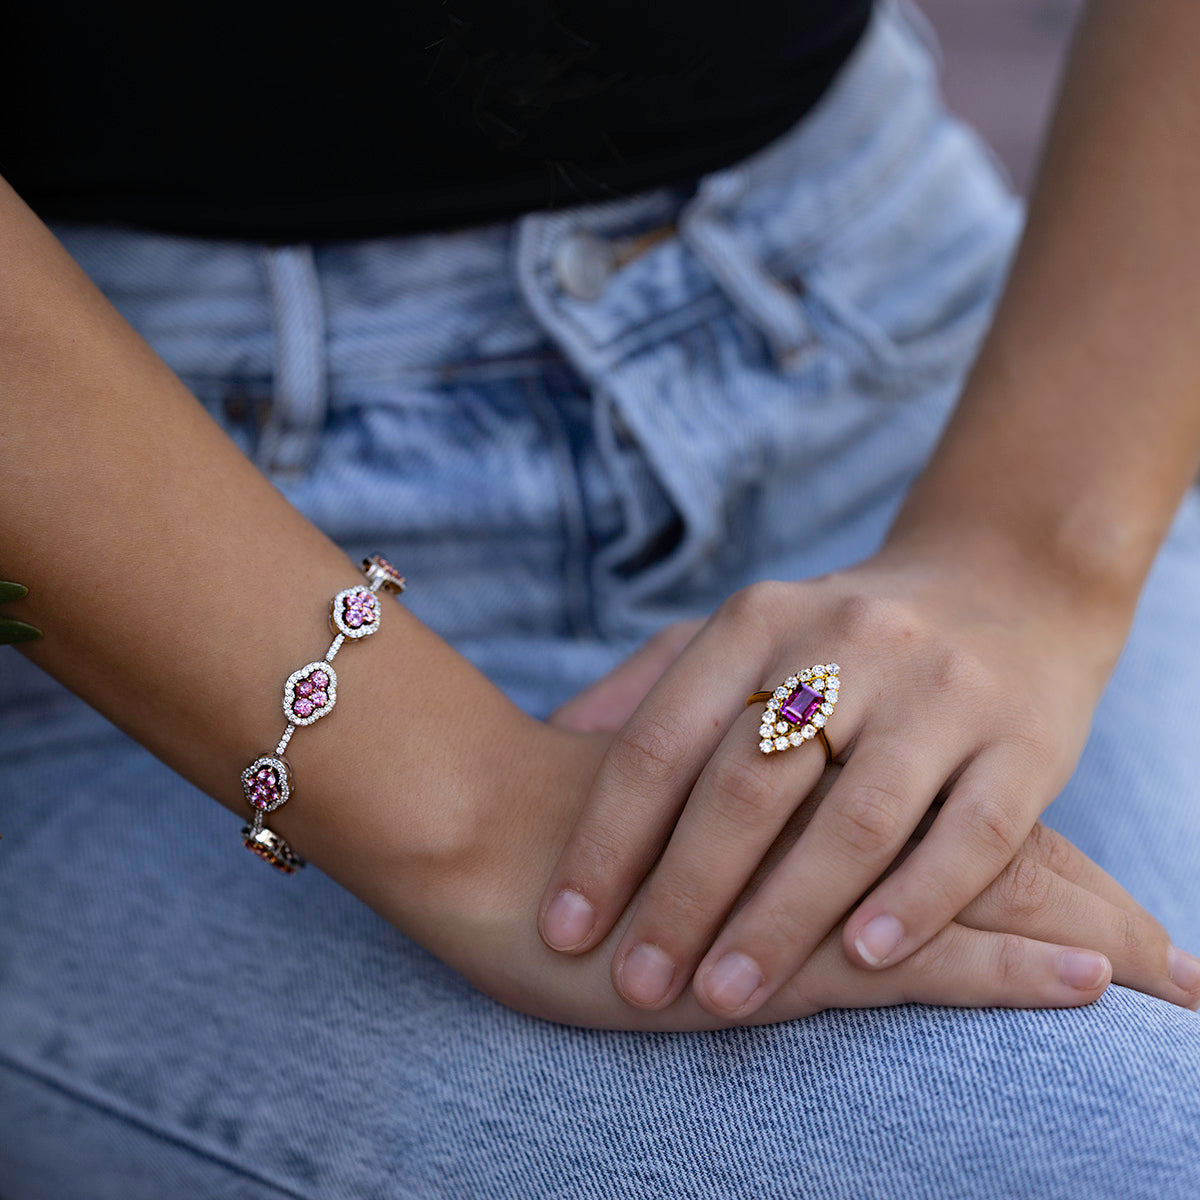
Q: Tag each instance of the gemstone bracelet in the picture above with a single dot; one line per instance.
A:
(308, 695)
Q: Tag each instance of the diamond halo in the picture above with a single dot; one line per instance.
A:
(799, 708)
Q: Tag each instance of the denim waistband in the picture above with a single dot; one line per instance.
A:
(767, 213)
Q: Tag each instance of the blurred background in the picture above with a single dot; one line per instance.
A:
(1002, 65)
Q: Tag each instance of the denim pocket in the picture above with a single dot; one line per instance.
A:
(911, 281)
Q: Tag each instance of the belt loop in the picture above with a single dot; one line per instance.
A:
(763, 299)
(297, 416)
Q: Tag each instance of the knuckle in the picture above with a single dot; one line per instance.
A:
(938, 893)
(675, 911)
(1133, 937)
(1041, 741)
(746, 793)
(1024, 887)
(956, 672)
(868, 821)
(1009, 960)
(942, 957)
(760, 601)
(646, 752)
(780, 926)
(1054, 852)
(868, 619)
(602, 853)
(995, 827)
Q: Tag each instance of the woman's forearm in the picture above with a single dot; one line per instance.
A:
(1079, 429)
(177, 588)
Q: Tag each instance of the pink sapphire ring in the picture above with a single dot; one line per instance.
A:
(798, 709)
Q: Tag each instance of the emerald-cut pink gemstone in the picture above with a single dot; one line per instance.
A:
(800, 705)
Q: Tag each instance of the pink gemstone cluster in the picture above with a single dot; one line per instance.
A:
(377, 565)
(359, 608)
(311, 694)
(308, 695)
(263, 789)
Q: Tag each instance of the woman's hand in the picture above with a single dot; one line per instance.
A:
(973, 687)
(1018, 945)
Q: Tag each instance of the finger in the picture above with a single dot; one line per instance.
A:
(644, 780)
(988, 814)
(737, 809)
(860, 827)
(1030, 899)
(960, 967)
(609, 702)
(1064, 858)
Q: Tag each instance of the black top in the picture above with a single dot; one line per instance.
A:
(316, 120)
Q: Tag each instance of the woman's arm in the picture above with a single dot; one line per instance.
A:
(177, 589)
(1078, 432)
(1079, 429)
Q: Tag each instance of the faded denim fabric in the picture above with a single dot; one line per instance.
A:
(568, 438)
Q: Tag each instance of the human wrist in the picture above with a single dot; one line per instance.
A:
(1080, 569)
(461, 870)
(398, 797)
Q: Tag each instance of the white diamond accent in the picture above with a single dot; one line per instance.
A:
(809, 731)
(781, 743)
(795, 738)
(805, 675)
(791, 682)
(831, 669)
(781, 693)
(772, 705)
(781, 727)
(766, 745)
(766, 731)
(818, 719)
(827, 709)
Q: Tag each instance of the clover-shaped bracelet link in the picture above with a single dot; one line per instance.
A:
(308, 695)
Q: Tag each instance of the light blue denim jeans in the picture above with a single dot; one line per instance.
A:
(569, 437)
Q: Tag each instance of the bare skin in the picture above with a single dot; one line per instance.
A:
(114, 482)
(1012, 571)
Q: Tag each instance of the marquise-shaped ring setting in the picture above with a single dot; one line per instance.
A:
(798, 709)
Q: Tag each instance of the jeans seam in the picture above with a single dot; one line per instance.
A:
(146, 1126)
(300, 400)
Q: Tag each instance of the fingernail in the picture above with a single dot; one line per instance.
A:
(568, 920)
(879, 937)
(1081, 969)
(732, 981)
(646, 974)
(1184, 969)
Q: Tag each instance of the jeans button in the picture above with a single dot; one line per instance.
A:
(582, 264)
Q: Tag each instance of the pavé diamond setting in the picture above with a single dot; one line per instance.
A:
(308, 695)
(354, 612)
(267, 782)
